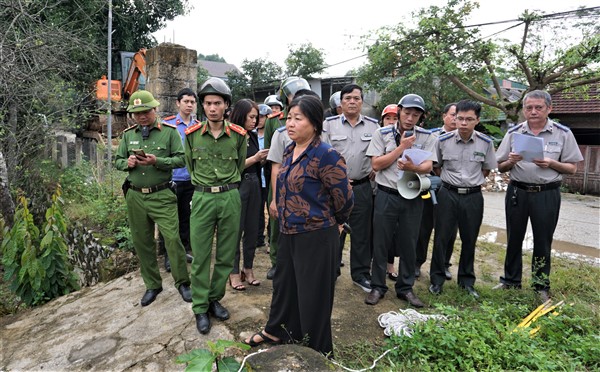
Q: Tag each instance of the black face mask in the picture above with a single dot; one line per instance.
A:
(145, 132)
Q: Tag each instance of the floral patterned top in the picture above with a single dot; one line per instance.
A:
(313, 192)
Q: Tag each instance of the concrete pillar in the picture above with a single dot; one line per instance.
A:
(170, 68)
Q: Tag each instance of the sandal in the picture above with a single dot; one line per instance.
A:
(253, 281)
(238, 286)
(393, 276)
(264, 340)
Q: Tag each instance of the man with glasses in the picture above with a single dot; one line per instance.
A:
(534, 190)
(465, 157)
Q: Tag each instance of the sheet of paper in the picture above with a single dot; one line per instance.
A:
(529, 147)
(416, 155)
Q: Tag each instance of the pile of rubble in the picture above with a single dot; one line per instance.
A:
(496, 182)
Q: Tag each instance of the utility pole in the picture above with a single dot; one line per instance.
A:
(109, 95)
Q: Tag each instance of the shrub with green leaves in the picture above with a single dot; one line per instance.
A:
(36, 264)
(205, 359)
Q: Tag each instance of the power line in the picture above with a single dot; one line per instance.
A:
(583, 12)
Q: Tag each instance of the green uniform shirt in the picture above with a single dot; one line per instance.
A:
(271, 126)
(215, 161)
(164, 142)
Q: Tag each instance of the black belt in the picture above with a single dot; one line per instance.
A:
(531, 187)
(389, 190)
(217, 189)
(358, 182)
(150, 190)
(462, 190)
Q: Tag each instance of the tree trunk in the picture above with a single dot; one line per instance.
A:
(7, 207)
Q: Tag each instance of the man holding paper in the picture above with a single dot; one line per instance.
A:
(390, 152)
(534, 189)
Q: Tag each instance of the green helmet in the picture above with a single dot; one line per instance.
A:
(290, 86)
(141, 100)
(215, 86)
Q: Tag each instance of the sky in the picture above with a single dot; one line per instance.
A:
(237, 30)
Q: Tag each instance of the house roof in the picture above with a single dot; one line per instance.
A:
(218, 69)
(570, 103)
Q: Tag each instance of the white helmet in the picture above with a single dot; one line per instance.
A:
(272, 101)
(336, 100)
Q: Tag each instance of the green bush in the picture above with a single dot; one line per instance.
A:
(37, 264)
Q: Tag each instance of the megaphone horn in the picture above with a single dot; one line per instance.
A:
(411, 185)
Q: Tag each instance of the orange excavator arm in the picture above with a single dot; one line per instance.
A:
(137, 68)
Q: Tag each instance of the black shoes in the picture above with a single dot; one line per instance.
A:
(411, 298)
(435, 289)
(373, 297)
(150, 296)
(185, 292)
(448, 274)
(203, 323)
(471, 291)
(364, 284)
(271, 272)
(189, 258)
(218, 311)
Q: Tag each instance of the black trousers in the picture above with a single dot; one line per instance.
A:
(542, 209)
(361, 251)
(394, 213)
(466, 212)
(303, 288)
(427, 223)
(185, 192)
(260, 238)
(250, 197)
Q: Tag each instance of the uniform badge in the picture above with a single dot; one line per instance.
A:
(137, 101)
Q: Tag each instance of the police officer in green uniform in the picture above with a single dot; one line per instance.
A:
(149, 151)
(215, 154)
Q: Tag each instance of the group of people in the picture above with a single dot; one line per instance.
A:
(317, 173)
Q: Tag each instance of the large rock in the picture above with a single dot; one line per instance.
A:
(290, 358)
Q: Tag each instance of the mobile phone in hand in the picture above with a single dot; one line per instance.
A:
(139, 152)
(408, 133)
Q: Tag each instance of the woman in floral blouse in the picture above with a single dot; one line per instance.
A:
(313, 198)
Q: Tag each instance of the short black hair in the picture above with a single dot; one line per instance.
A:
(348, 88)
(448, 107)
(467, 105)
(305, 92)
(312, 108)
(186, 92)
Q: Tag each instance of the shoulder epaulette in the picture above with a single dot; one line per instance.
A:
(236, 128)
(170, 117)
(371, 119)
(484, 137)
(561, 126)
(196, 121)
(169, 125)
(332, 117)
(445, 136)
(515, 128)
(276, 114)
(386, 130)
(193, 128)
(433, 130)
(130, 128)
(422, 130)
(280, 129)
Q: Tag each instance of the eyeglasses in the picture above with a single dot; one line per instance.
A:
(468, 120)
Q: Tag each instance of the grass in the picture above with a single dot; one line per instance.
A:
(479, 335)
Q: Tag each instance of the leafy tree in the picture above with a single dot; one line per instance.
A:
(239, 85)
(52, 52)
(444, 47)
(255, 73)
(211, 57)
(305, 60)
